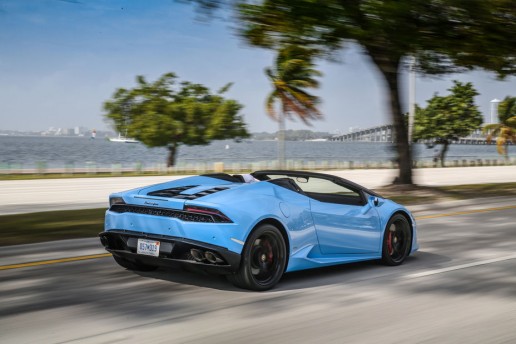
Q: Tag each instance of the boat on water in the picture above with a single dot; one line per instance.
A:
(123, 139)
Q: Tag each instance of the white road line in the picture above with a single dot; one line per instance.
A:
(459, 267)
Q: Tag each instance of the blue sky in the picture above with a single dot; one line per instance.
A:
(61, 59)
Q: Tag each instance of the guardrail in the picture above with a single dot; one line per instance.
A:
(205, 167)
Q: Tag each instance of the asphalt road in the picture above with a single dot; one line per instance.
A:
(459, 288)
(24, 196)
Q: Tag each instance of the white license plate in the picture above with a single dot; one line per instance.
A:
(148, 247)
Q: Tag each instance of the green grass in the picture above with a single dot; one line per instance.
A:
(426, 194)
(50, 225)
(71, 224)
(28, 176)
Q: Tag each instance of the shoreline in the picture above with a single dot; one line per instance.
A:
(116, 170)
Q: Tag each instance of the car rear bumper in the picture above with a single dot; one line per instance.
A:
(173, 251)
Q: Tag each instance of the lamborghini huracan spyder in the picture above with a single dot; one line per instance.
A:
(254, 228)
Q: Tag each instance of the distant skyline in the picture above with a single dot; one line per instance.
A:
(61, 59)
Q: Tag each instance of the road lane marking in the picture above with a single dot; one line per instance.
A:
(465, 212)
(54, 261)
(103, 255)
(460, 267)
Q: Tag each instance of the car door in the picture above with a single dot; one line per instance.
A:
(345, 222)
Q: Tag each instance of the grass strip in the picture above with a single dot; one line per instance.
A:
(30, 176)
(72, 224)
(50, 225)
(427, 194)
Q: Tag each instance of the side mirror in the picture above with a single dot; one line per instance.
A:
(302, 179)
(376, 201)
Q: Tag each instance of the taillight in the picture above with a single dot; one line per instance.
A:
(214, 213)
(116, 200)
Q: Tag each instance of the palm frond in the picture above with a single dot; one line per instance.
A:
(511, 122)
(269, 105)
(270, 73)
(491, 128)
(291, 75)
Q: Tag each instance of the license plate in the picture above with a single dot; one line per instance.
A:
(148, 247)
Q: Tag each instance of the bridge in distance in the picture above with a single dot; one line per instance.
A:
(385, 133)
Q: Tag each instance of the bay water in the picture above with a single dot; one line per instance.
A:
(28, 152)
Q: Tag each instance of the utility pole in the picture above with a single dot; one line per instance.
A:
(412, 97)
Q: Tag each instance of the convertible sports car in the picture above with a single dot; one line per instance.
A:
(254, 228)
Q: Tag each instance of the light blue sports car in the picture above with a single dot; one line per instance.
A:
(254, 228)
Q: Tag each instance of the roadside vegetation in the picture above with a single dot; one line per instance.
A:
(292, 74)
(437, 36)
(504, 132)
(73, 224)
(169, 113)
(31, 176)
(446, 118)
(51, 225)
(412, 195)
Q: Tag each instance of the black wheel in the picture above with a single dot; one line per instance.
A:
(263, 260)
(129, 265)
(397, 240)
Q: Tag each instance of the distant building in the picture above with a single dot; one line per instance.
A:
(68, 132)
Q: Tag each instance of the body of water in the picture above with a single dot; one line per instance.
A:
(60, 152)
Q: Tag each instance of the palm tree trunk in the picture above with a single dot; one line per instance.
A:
(281, 141)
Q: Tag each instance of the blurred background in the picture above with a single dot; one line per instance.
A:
(63, 61)
(415, 99)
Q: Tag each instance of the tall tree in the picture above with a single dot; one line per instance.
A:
(444, 36)
(292, 73)
(446, 118)
(505, 130)
(164, 113)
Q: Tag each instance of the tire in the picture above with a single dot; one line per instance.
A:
(397, 241)
(263, 260)
(129, 265)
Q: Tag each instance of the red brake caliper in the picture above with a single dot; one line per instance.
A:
(270, 254)
(389, 243)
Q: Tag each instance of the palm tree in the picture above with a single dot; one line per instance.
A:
(292, 73)
(505, 131)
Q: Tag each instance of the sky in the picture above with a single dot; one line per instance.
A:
(61, 59)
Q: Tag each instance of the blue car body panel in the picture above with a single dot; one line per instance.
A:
(316, 233)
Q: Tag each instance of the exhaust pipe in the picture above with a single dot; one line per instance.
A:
(212, 258)
(104, 241)
(197, 255)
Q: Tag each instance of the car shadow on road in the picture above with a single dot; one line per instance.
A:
(359, 272)
(185, 277)
(337, 274)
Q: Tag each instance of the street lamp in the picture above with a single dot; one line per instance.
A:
(494, 110)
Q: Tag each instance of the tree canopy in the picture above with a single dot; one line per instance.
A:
(444, 36)
(168, 113)
(505, 130)
(446, 118)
